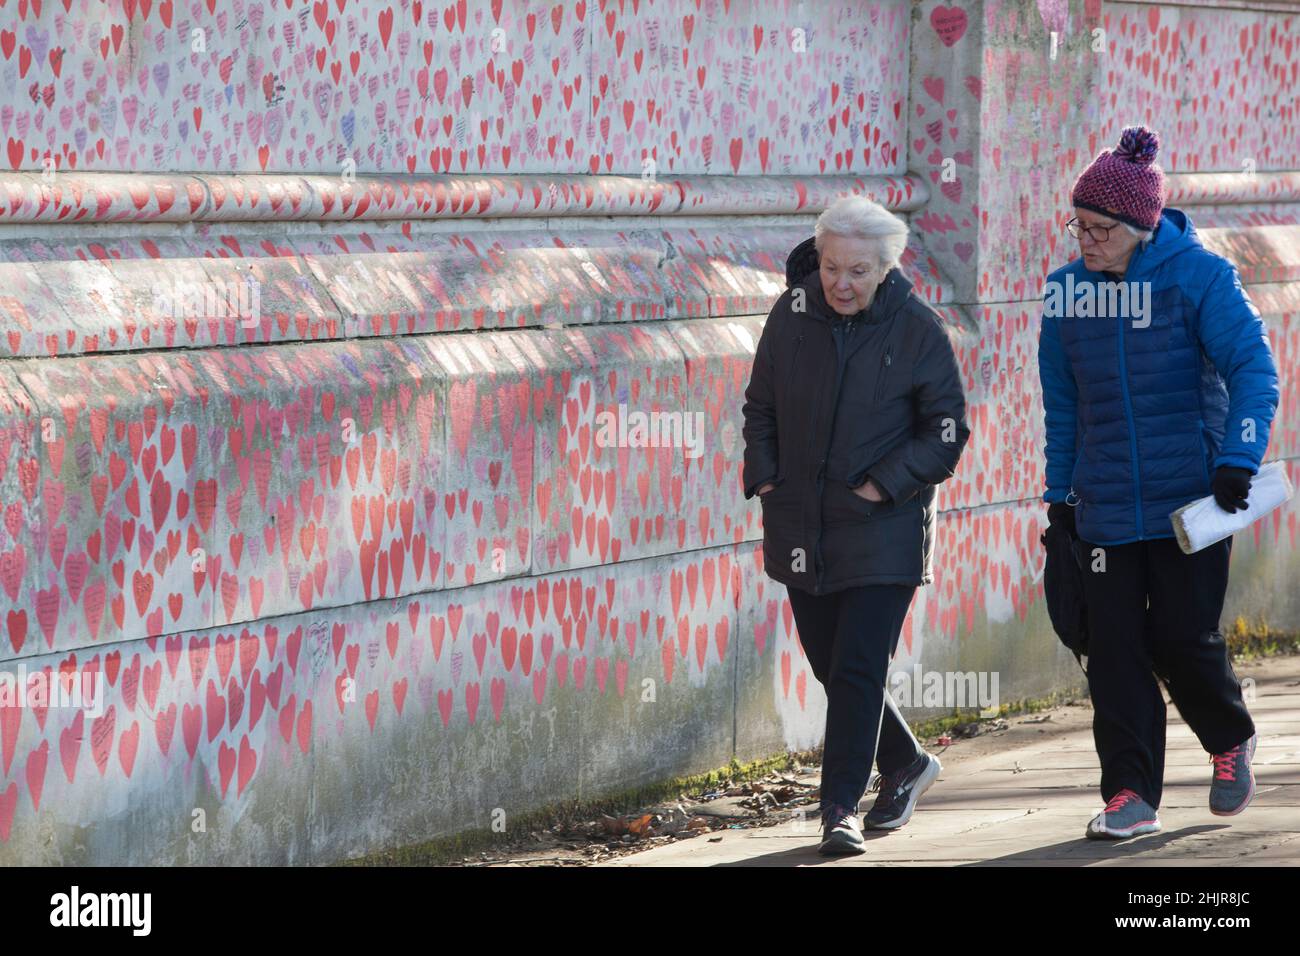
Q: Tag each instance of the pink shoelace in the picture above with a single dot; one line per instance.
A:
(1225, 764)
(1120, 800)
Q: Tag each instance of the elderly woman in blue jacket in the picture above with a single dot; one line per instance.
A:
(1159, 387)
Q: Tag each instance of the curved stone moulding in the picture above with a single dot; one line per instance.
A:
(1201, 189)
(94, 198)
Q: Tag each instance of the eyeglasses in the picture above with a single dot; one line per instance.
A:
(1077, 229)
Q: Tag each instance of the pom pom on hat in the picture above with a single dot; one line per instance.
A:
(1138, 144)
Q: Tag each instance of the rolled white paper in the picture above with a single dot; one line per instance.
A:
(1201, 523)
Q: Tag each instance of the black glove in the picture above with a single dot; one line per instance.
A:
(1230, 486)
(1058, 512)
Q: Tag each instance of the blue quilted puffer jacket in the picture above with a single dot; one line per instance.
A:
(1140, 411)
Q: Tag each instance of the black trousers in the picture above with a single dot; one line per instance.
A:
(849, 638)
(1154, 611)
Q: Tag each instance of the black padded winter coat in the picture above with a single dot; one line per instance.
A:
(833, 400)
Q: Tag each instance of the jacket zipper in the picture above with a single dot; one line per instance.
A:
(885, 362)
(1128, 408)
(1132, 434)
(841, 351)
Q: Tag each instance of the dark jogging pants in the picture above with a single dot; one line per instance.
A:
(1155, 611)
(849, 638)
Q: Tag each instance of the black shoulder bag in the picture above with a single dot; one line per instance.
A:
(1063, 588)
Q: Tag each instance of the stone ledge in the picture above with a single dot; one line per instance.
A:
(177, 197)
(1212, 189)
(86, 294)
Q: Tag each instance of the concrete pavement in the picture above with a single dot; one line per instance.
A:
(1024, 795)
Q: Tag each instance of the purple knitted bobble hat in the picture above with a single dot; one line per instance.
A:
(1125, 183)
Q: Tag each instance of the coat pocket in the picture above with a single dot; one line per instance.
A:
(843, 504)
(875, 538)
(886, 363)
(770, 500)
(783, 527)
(1074, 480)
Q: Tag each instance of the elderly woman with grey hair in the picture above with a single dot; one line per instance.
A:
(854, 412)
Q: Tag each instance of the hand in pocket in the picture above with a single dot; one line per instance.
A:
(869, 491)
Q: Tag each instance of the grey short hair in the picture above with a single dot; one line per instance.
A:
(1144, 235)
(861, 218)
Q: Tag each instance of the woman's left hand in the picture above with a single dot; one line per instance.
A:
(869, 491)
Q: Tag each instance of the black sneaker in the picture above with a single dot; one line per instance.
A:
(840, 831)
(900, 791)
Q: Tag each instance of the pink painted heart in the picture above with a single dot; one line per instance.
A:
(949, 23)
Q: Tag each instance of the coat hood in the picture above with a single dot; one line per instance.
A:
(1175, 235)
(801, 261)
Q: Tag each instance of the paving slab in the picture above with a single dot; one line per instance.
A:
(1023, 796)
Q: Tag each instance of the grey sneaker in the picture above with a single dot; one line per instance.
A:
(840, 831)
(1126, 815)
(1233, 783)
(900, 791)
